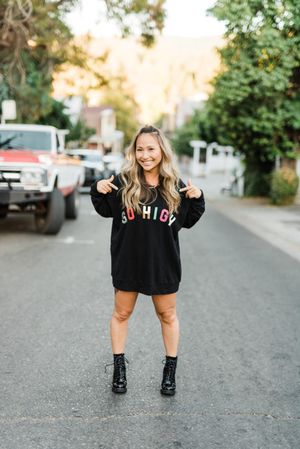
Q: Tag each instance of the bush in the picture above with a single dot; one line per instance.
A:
(256, 183)
(284, 186)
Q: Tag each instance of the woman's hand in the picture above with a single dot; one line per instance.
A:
(191, 191)
(105, 185)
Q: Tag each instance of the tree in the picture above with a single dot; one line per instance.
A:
(118, 95)
(35, 41)
(57, 117)
(147, 16)
(182, 137)
(256, 102)
(80, 133)
(198, 127)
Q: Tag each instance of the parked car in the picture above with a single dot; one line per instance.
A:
(92, 161)
(36, 176)
(97, 166)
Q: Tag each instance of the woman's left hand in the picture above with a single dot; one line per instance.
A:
(191, 191)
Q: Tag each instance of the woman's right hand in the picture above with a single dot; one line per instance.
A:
(105, 185)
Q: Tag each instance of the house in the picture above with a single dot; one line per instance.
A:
(183, 111)
(102, 118)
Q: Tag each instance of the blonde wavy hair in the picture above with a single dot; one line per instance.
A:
(134, 188)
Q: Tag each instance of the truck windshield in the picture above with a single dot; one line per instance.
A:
(29, 140)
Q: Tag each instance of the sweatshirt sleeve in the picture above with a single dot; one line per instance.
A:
(195, 210)
(100, 201)
(192, 208)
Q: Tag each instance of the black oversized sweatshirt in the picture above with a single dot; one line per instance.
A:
(145, 253)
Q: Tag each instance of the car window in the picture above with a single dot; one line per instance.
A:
(93, 157)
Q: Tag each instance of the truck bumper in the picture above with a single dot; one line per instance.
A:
(21, 197)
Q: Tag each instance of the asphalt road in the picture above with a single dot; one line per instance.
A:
(238, 362)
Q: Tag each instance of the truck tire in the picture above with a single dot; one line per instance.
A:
(72, 204)
(52, 220)
(3, 212)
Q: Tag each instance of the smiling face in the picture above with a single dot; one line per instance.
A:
(148, 153)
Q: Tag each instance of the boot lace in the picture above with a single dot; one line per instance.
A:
(119, 363)
(169, 370)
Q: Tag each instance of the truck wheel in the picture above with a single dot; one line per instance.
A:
(3, 211)
(51, 221)
(72, 204)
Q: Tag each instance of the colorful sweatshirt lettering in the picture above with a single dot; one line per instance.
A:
(149, 213)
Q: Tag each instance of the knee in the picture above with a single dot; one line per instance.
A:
(121, 314)
(167, 317)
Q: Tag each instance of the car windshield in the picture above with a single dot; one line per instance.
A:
(29, 140)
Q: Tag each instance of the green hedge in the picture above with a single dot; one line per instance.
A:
(284, 186)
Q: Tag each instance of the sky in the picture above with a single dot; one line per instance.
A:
(185, 18)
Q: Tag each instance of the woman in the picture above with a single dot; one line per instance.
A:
(149, 205)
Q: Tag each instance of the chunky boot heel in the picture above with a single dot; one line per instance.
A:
(119, 382)
(168, 385)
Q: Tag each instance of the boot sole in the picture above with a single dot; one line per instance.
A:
(119, 390)
(168, 392)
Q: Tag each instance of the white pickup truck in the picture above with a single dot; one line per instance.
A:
(36, 176)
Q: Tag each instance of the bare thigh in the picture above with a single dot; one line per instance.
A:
(125, 301)
(165, 305)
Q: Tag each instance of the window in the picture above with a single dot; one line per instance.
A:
(27, 140)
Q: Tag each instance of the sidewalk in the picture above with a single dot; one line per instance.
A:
(280, 226)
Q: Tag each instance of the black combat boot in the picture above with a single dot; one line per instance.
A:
(119, 382)
(168, 385)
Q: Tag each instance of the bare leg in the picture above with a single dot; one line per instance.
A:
(165, 307)
(124, 305)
